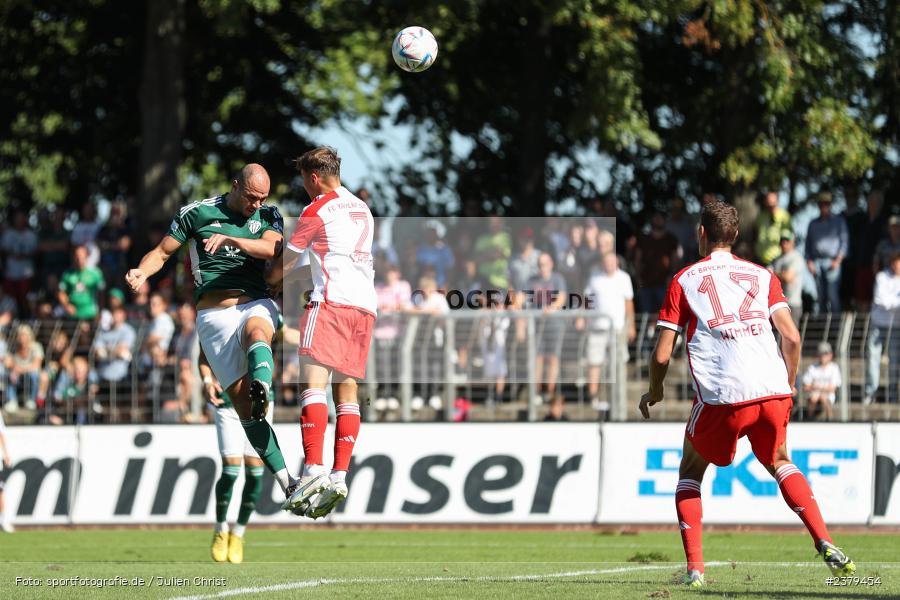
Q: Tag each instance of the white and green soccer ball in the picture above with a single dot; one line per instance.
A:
(414, 49)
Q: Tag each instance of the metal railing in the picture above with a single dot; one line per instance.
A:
(449, 367)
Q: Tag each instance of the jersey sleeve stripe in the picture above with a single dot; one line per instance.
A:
(294, 248)
(669, 325)
(778, 306)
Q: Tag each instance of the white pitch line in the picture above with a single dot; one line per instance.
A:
(310, 583)
(279, 587)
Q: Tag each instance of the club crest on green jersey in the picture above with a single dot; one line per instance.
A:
(254, 226)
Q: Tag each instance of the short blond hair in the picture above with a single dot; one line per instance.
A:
(324, 160)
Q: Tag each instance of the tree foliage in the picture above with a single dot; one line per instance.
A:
(678, 96)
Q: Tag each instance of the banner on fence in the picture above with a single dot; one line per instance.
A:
(415, 473)
(640, 472)
(887, 468)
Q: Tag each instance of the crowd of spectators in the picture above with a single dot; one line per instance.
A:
(63, 267)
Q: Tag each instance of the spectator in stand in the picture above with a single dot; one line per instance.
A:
(790, 268)
(468, 281)
(430, 301)
(492, 251)
(8, 309)
(884, 326)
(394, 296)
(826, 246)
(865, 233)
(568, 262)
(547, 291)
(114, 299)
(54, 248)
(113, 347)
(187, 353)
(23, 369)
(85, 233)
(114, 242)
(591, 236)
(435, 253)
(80, 288)
(820, 383)
(74, 396)
(620, 225)
(155, 349)
(580, 253)
(656, 256)
(140, 304)
(888, 246)
(609, 293)
(19, 245)
(524, 265)
(683, 226)
(494, 330)
(555, 232)
(771, 224)
(57, 360)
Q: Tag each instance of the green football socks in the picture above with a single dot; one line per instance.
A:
(223, 490)
(253, 484)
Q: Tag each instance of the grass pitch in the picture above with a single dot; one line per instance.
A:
(423, 563)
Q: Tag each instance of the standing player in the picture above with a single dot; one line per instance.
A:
(726, 308)
(231, 238)
(335, 230)
(234, 448)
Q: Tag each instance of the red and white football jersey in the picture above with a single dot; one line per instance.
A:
(724, 305)
(337, 229)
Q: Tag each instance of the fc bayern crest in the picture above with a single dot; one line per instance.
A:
(254, 226)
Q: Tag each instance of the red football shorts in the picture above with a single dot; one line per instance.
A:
(715, 429)
(337, 337)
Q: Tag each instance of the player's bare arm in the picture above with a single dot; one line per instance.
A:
(286, 271)
(265, 248)
(659, 365)
(790, 342)
(152, 262)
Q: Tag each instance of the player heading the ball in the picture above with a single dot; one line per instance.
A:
(336, 232)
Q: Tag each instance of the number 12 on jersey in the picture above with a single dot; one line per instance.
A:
(708, 287)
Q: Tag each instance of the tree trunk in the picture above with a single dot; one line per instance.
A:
(163, 111)
(531, 184)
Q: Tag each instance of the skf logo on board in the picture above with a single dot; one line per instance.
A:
(664, 461)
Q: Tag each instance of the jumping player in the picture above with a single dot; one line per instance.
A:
(231, 237)
(726, 307)
(336, 232)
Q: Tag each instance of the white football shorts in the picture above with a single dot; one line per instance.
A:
(220, 331)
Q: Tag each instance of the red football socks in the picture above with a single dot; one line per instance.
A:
(799, 497)
(345, 433)
(313, 421)
(690, 520)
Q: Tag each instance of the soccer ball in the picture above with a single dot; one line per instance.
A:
(414, 49)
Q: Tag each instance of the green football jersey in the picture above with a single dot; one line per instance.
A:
(229, 268)
(83, 288)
